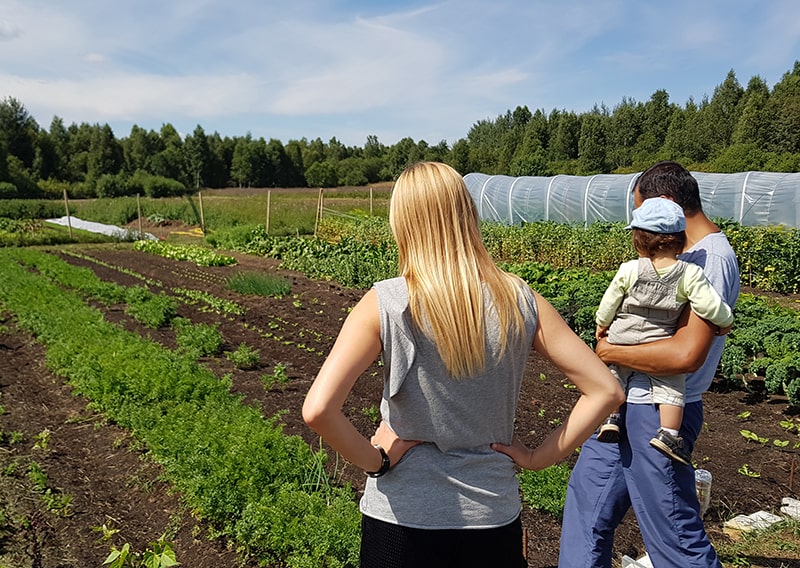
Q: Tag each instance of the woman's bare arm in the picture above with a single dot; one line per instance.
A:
(600, 391)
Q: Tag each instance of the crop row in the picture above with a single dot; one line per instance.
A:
(765, 341)
(278, 329)
(264, 490)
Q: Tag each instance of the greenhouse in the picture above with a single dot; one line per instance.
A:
(750, 198)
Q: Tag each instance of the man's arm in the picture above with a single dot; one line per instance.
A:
(684, 352)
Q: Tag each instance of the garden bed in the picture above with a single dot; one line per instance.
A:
(102, 469)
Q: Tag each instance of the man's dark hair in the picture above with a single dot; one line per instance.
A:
(670, 179)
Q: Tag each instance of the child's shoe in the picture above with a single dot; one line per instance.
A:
(609, 430)
(671, 446)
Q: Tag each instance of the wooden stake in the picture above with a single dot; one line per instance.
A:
(370, 201)
(139, 213)
(525, 543)
(202, 216)
(319, 212)
(66, 206)
(266, 228)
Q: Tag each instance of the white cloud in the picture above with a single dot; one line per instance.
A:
(135, 97)
(95, 58)
(9, 30)
(426, 70)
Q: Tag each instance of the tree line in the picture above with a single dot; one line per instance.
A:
(736, 129)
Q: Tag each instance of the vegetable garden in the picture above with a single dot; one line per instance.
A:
(158, 408)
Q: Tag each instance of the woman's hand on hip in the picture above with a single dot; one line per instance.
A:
(394, 445)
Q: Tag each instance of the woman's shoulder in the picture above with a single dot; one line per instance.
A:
(392, 293)
(390, 284)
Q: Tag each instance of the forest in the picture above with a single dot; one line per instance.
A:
(737, 128)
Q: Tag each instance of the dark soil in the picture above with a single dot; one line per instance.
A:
(113, 484)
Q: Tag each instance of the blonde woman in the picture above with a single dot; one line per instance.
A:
(455, 333)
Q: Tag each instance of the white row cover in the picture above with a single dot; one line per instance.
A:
(750, 198)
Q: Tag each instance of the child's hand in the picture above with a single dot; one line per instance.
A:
(724, 330)
(600, 332)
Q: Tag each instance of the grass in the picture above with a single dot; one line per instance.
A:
(777, 546)
(260, 284)
(291, 211)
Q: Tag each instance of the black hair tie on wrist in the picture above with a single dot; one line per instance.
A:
(385, 464)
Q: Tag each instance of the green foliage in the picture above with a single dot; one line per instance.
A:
(80, 279)
(765, 341)
(151, 310)
(197, 340)
(37, 477)
(259, 284)
(244, 357)
(733, 363)
(769, 257)
(350, 262)
(233, 468)
(8, 190)
(546, 489)
(600, 246)
(779, 539)
(373, 413)
(159, 554)
(31, 209)
(575, 293)
(279, 376)
(327, 536)
(213, 303)
(201, 256)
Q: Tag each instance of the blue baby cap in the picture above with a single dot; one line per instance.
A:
(658, 215)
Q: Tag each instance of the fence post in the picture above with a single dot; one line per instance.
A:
(202, 215)
(266, 227)
(66, 207)
(319, 212)
(139, 213)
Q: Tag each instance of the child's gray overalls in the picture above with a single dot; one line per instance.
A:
(650, 312)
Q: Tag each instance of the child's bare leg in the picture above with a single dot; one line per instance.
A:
(671, 417)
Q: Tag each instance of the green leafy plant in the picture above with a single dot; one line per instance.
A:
(373, 413)
(197, 340)
(107, 531)
(215, 304)
(748, 435)
(151, 310)
(201, 256)
(37, 477)
(42, 440)
(158, 555)
(546, 489)
(745, 470)
(244, 357)
(279, 376)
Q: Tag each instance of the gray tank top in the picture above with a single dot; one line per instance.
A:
(454, 479)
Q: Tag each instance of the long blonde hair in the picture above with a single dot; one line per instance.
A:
(446, 266)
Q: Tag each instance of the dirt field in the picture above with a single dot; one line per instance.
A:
(113, 484)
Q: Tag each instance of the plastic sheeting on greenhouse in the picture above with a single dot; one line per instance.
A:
(750, 198)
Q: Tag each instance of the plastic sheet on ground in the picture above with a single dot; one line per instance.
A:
(109, 230)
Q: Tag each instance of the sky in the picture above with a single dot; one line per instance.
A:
(394, 69)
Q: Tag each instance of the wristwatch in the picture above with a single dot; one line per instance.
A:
(385, 463)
